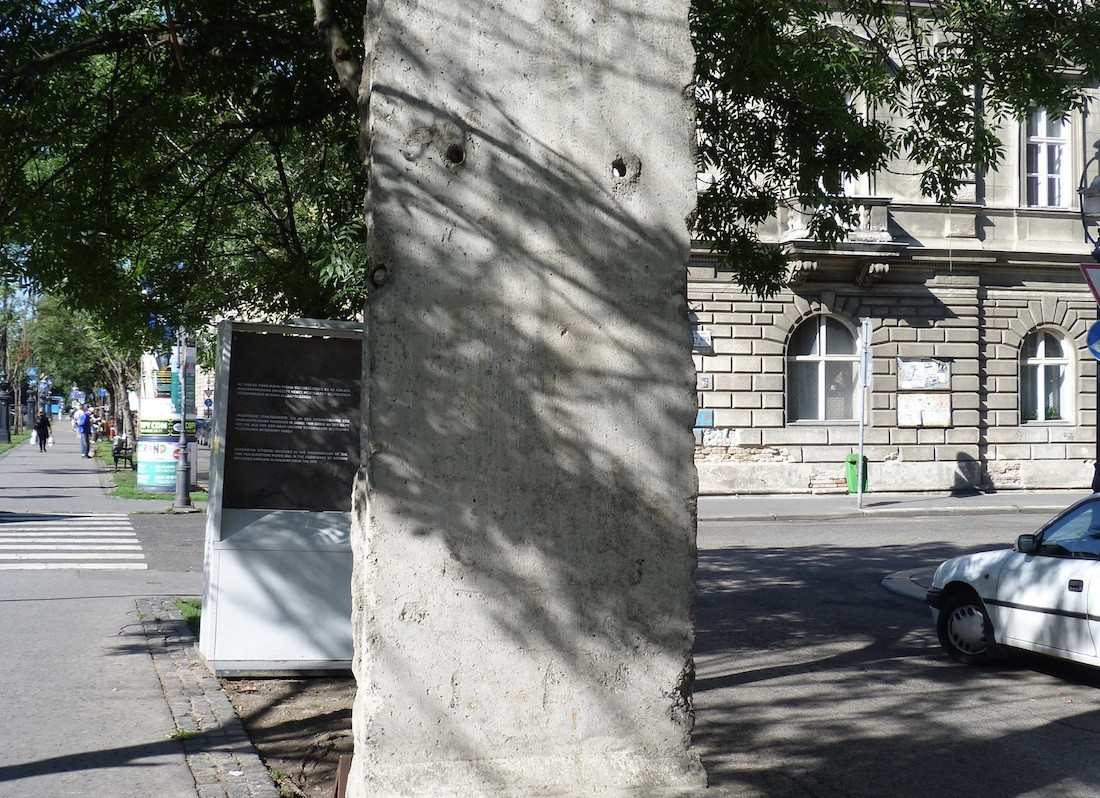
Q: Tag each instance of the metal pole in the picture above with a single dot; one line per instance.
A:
(1096, 466)
(864, 381)
(183, 468)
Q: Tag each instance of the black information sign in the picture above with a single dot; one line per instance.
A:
(292, 425)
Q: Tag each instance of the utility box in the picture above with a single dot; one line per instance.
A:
(851, 473)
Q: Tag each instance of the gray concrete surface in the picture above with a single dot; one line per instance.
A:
(526, 601)
(104, 694)
(780, 507)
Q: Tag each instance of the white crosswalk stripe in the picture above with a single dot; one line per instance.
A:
(30, 542)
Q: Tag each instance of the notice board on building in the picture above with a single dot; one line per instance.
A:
(924, 392)
(284, 456)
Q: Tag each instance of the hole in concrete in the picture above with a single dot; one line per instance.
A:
(456, 153)
(618, 167)
(378, 276)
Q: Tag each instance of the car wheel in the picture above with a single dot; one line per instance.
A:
(965, 631)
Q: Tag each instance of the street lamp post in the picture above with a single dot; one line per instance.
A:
(183, 467)
(1089, 191)
(5, 385)
(44, 385)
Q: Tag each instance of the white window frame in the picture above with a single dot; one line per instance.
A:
(1040, 363)
(1041, 144)
(820, 359)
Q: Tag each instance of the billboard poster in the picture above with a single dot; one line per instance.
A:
(157, 461)
(165, 428)
(188, 380)
(292, 422)
(158, 445)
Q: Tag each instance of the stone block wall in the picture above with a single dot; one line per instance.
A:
(1037, 454)
(928, 313)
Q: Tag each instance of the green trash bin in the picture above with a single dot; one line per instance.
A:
(851, 472)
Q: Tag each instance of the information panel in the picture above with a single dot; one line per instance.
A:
(284, 456)
(292, 428)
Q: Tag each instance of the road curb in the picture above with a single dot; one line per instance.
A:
(899, 512)
(912, 584)
(221, 758)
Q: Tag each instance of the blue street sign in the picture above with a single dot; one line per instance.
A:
(1093, 339)
(32, 372)
(101, 392)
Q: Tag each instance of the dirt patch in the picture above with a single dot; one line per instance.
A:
(300, 727)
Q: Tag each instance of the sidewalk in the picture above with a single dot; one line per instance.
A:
(61, 481)
(789, 507)
(104, 693)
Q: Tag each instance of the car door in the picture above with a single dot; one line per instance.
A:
(1042, 600)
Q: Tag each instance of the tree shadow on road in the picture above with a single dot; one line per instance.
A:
(814, 680)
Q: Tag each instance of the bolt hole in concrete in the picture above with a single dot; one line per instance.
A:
(378, 276)
(456, 153)
(618, 167)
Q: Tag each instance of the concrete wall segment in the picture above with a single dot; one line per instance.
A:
(530, 405)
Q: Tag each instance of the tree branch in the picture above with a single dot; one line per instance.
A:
(151, 37)
(348, 69)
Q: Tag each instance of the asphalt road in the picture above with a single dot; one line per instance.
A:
(812, 680)
(171, 541)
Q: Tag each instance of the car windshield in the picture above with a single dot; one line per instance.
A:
(1076, 534)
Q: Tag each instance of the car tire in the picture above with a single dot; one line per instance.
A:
(965, 631)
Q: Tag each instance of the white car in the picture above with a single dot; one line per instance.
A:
(1042, 595)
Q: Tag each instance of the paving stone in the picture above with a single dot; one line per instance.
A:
(222, 760)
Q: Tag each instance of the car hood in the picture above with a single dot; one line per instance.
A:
(971, 568)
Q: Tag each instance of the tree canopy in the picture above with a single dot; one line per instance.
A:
(167, 162)
(795, 96)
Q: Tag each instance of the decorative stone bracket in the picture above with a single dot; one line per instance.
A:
(799, 270)
(869, 273)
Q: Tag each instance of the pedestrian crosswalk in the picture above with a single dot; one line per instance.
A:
(39, 542)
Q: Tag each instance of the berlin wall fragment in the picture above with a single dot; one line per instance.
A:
(524, 524)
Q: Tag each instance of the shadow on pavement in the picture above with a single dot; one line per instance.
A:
(814, 681)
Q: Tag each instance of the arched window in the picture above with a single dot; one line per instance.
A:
(822, 366)
(1044, 377)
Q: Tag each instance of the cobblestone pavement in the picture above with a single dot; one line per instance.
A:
(218, 751)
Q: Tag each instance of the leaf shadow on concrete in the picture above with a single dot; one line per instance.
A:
(530, 404)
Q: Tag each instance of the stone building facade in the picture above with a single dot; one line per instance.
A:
(979, 371)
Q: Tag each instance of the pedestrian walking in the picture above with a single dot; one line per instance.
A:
(42, 430)
(84, 430)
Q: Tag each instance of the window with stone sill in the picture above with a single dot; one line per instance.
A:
(1047, 160)
(822, 371)
(1044, 378)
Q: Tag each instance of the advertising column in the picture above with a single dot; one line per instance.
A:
(158, 449)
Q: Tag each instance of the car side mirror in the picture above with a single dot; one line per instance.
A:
(1027, 544)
